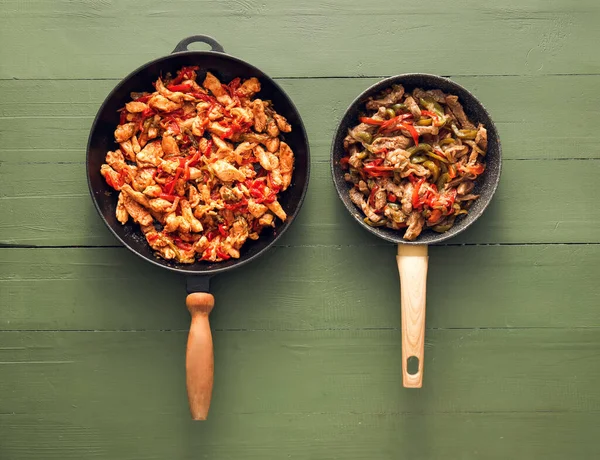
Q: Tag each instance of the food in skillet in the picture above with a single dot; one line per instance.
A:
(200, 167)
(413, 160)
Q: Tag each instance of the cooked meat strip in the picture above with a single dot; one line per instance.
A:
(415, 225)
(413, 107)
(392, 97)
(481, 138)
(457, 109)
(390, 143)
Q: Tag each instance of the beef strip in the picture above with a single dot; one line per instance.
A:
(359, 200)
(380, 199)
(481, 138)
(421, 130)
(392, 97)
(351, 138)
(457, 109)
(413, 107)
(407, 198)
(465, 187)
(435, 94)
(391, 187)
(468, 197)
(390, 143)
(415, 226)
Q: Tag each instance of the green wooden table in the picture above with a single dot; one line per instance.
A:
(307, 338)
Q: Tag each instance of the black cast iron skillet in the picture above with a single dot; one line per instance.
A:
(412, 255)
(199, 356)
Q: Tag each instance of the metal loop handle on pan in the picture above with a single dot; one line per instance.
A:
(183, 44)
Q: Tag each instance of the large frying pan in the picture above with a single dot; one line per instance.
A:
(412, 256)
(199, 356)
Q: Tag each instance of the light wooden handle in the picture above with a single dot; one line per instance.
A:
(199, 361)
(412, 267)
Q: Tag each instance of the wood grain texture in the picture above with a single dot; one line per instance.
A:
(412, 267)
(542, 286)
(307, 338)
(141, 374)
(45, 120)
(107, 39)
(199, 356)
(39, 211)
(317, 436)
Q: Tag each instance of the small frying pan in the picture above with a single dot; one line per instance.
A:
(199, 356)
(412, 256)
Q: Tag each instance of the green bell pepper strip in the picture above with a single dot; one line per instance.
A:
(465, 133)
(433, 168)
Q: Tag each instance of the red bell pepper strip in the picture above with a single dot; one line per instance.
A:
(475, 169)
(374, 168)
(374, 190)
(205, 97)
(222, 230)
(208, 149)
(416, 201)
(174, 126)
(211, 235)
(168, 197)
(170, 186)
(145, 98)
(239, 205)
(182, 244)
(392, 122)
(270, 198)
(371, 121)
(379, 171)
(450, 203)
(344, 162)
(256, 193)
(435, 216)
(232, 87)
(222, 255)
(411, 129)
(110, 182)
(434, 116)
(451, 171)
(391, 197)
(183, 88)
(123, 117)
(206, 255)
(184, 74)
(194, 158)
(147, 113)
(274, 188)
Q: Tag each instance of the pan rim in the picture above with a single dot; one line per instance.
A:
(355, 212)
(291, 217)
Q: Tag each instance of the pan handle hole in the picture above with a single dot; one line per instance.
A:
(199, 46)
(412, 365)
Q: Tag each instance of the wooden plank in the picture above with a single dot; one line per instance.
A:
(49, 120)
(130, 376)
(108, 39)
(324, 288)
(122, 435)
(48, 204)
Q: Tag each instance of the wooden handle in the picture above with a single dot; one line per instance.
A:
(199, 361)
(412, 267)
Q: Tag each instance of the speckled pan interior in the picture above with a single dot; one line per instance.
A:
(485, 185)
